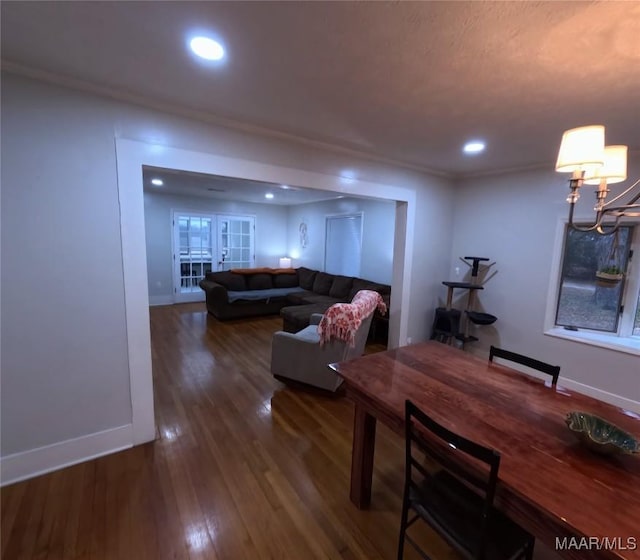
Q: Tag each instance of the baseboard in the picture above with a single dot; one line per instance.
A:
(27, 464)
(611, 398)
(161, 300)
(170, 300)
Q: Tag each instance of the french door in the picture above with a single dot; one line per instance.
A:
(208, 242)
(236, 242)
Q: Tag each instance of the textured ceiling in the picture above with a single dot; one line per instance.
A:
(404, 81)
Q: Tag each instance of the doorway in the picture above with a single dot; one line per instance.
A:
(133, 155)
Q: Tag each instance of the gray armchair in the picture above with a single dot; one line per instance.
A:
(299, 357)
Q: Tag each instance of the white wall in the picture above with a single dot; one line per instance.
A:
(64, 356)
(513, 219)
(270, 239)
(377, 234)
(65, 369)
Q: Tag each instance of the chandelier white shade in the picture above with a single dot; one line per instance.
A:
(583, 153)
(581, 149)
(613, 170)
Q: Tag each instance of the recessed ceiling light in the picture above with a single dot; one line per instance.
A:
(347, 176)
(473, 147)
(269, 195)
(286, 187)
(207, 48)
(157, 182)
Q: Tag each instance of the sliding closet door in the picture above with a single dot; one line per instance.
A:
(343, 246)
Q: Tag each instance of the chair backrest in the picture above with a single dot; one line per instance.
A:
(448, 457)
(350, 322)
(360, 339)
(553, 371)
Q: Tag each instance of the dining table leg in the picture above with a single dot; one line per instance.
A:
(364, 442)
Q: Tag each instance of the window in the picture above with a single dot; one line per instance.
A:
(595, 292)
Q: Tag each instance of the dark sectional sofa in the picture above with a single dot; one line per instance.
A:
(295, 293)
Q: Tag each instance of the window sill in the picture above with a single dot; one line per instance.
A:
(618, 343)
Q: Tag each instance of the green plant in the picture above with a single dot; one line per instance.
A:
(611, 270)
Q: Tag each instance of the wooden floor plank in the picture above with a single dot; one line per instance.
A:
(243, 466)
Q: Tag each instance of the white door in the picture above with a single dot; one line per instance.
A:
(193, 253)
(236, 242)
(343, 244)
(206, 242)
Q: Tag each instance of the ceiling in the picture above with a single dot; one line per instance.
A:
(187, 183)
(407, 82)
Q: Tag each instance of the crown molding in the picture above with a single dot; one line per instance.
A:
(202, 116)
(505, 171)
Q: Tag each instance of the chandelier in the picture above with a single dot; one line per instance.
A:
(583, 153)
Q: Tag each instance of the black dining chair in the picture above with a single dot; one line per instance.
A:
(457, 504)
(553, 371)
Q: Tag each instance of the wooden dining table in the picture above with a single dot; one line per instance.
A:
(583, 504)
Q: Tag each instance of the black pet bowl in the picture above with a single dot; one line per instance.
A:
(481, 318)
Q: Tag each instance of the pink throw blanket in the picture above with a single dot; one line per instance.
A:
(342, 320)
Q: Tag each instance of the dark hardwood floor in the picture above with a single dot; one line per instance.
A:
(243, 467)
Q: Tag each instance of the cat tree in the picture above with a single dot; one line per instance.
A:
(451, 324)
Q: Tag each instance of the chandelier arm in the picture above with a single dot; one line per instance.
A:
(585, 229)
(612, 228)
(620, 211)
(625, 192)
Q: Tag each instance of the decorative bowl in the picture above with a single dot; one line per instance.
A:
(601, 436)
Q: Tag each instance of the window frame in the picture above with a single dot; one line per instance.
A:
(620, 303)
(623, 340)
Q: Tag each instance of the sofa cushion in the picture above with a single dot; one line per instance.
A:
(299, 298)
(306, 277)
(319, 298)
(229, 280)
(341, 287)
(261, 281)
(360, 284)
(285, 280)
(297, 317)
(322, 283)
